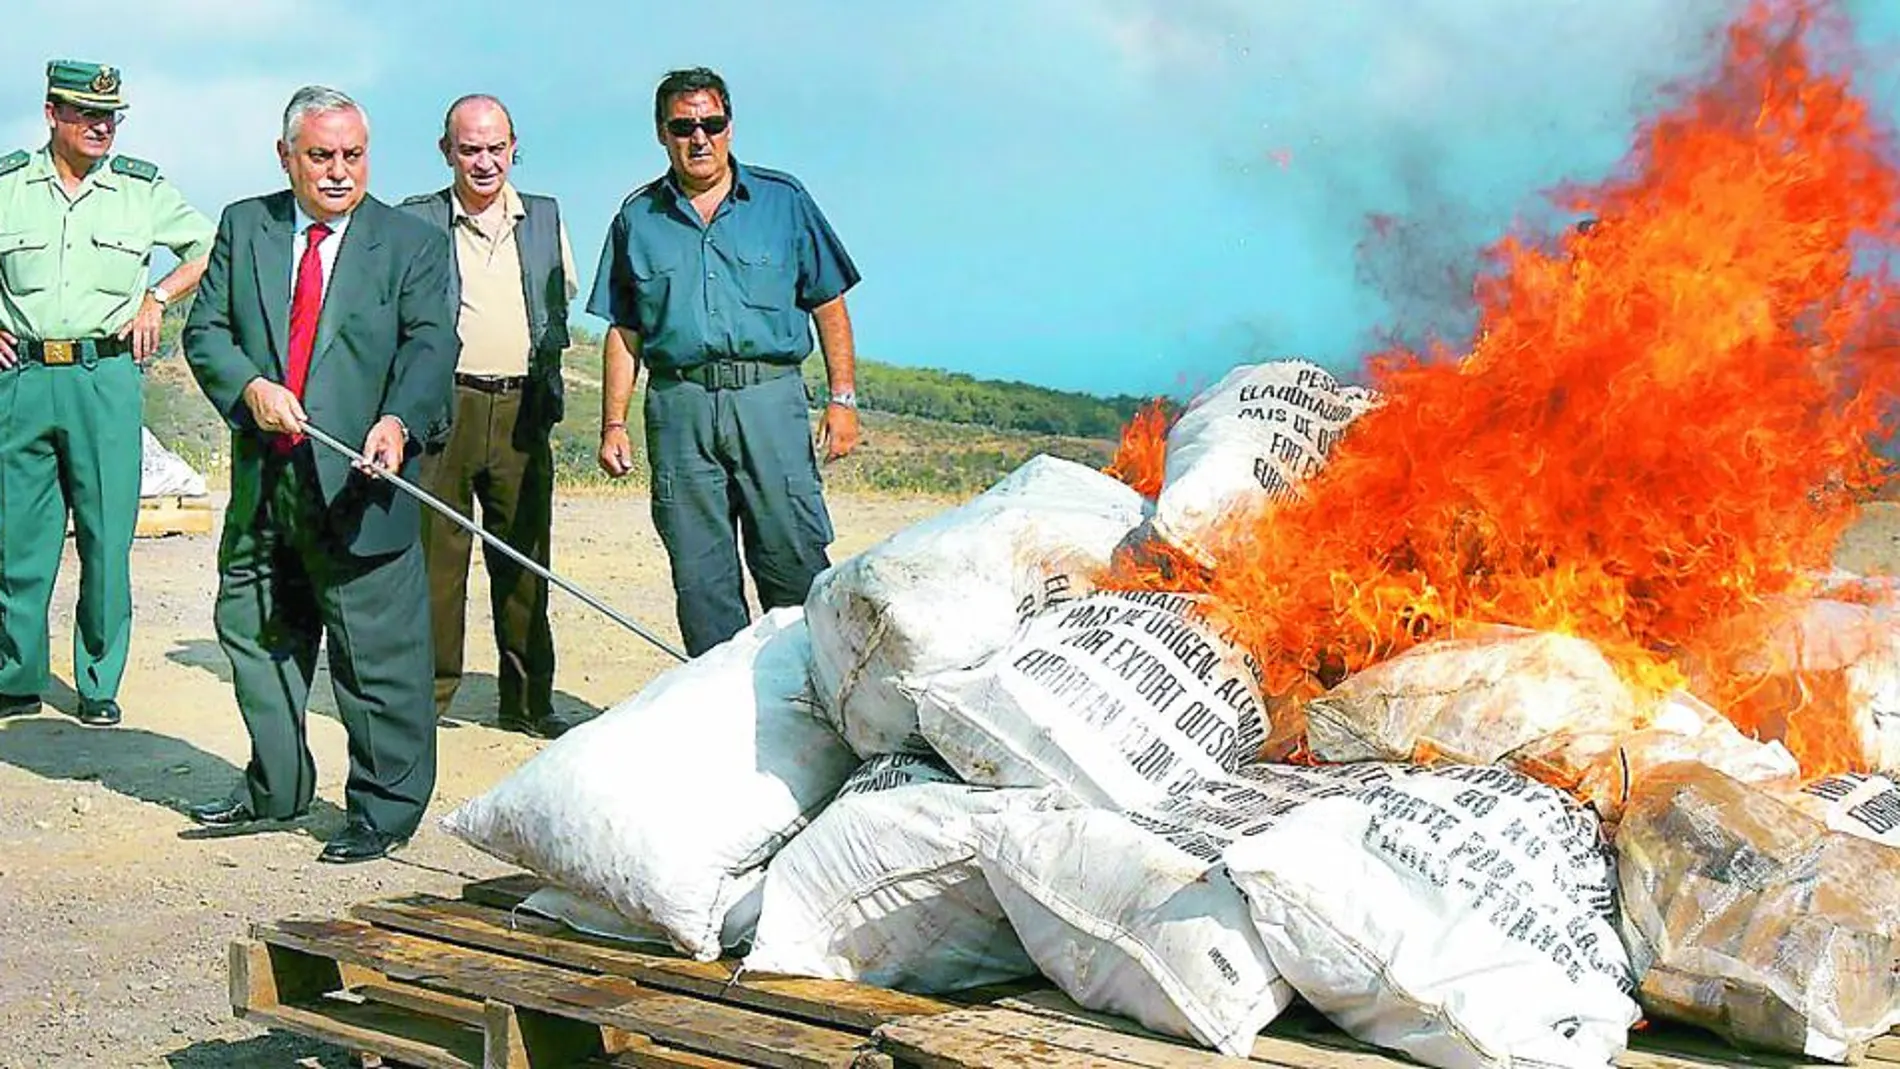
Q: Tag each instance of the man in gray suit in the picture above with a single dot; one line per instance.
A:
(324, 306)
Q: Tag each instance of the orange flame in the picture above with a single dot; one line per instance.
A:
(1142, 456)
(1665, 421)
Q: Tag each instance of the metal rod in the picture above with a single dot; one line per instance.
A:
(475, 529)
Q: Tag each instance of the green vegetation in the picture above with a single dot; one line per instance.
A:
(925, 432)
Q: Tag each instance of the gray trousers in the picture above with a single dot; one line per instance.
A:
(284, 587)
(730, 467)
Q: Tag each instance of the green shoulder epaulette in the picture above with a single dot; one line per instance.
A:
(420, 198)
(133, 167)
(14, 160)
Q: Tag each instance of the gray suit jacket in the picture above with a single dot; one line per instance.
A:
(386, 345)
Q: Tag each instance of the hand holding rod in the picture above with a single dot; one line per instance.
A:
(475, 529)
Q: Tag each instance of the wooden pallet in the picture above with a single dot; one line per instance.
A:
(471, 982)
(172, 514)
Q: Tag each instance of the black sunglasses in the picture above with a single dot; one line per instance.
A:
(714, 125)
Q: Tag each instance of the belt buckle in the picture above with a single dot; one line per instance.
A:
(726, 376)
(57, 353)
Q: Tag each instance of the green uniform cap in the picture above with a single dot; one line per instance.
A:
(84, 85)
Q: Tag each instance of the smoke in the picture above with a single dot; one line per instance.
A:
(1408, 136)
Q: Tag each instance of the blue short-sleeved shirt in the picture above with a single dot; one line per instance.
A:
(740, 287)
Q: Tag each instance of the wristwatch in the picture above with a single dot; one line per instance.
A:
(845, 398)
(158, 294)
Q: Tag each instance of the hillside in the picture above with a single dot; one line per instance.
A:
(925, 431)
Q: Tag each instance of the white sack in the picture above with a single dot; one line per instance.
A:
(163, 473)
(1470, 700)
(1462, 915)
(883, 888)
(657, 806)
(739, 905)
(1602, 767)
(1117, 698)
(1751, 919)
(1252, 437)
(947, 592)
(1862, 805)
(1135, 914)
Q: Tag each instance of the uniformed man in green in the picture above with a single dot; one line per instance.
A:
(77, 229)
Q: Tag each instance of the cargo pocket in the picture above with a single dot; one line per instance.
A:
(25, 264)
(121, 264)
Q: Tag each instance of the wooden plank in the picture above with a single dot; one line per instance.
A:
(162, 516)
(979, 1026)
(926, 1043)
(1268, 1048)
(639, 1052)
(524, 1039)
(668, 1018)
(859, 1007)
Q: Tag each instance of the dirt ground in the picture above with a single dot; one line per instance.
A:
(116, 911)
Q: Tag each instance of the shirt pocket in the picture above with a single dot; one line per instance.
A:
(26, 264)
(119, 266)
(765, 273)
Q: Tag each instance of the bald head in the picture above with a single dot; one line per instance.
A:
(478, 141)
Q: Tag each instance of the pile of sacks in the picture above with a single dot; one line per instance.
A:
(961, 763)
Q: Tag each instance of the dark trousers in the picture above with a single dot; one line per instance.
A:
(730, 466)
(284, 585)
(69, 439)
(495, 458)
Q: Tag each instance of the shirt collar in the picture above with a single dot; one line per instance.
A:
(301, 219)
(741, 185)
(510, 201)
(41, 169)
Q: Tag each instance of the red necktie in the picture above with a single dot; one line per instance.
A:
(306, 305)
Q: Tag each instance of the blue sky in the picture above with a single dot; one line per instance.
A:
(1104, 195)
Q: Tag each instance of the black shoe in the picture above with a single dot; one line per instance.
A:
(19, 705)
(359, 842)
(539, 727)
(99, 712)
(231, 812)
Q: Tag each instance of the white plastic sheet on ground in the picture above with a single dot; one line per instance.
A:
(1459, 914)
(1135, 914)
(660, 805)
(884, 887)
(163, 473)
(1117, 698)
(947, 592)
(1470, 700)
(1749, 918)
(1252, 437)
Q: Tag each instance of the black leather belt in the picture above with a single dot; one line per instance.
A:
(728, 374)
(54, 352)
(491, 383)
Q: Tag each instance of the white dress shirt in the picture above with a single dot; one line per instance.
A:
(326, 252)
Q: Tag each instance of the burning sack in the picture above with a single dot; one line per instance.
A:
(884, 888)
(1833, 663)
(1601, 767)
(951, 590)
(1746, 917)
(1119, 699)
(1159, 934)
(1251, 437)
(1462, 915)
(660, 805)
(1470, 700)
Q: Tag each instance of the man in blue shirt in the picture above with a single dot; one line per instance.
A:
(712, 275)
